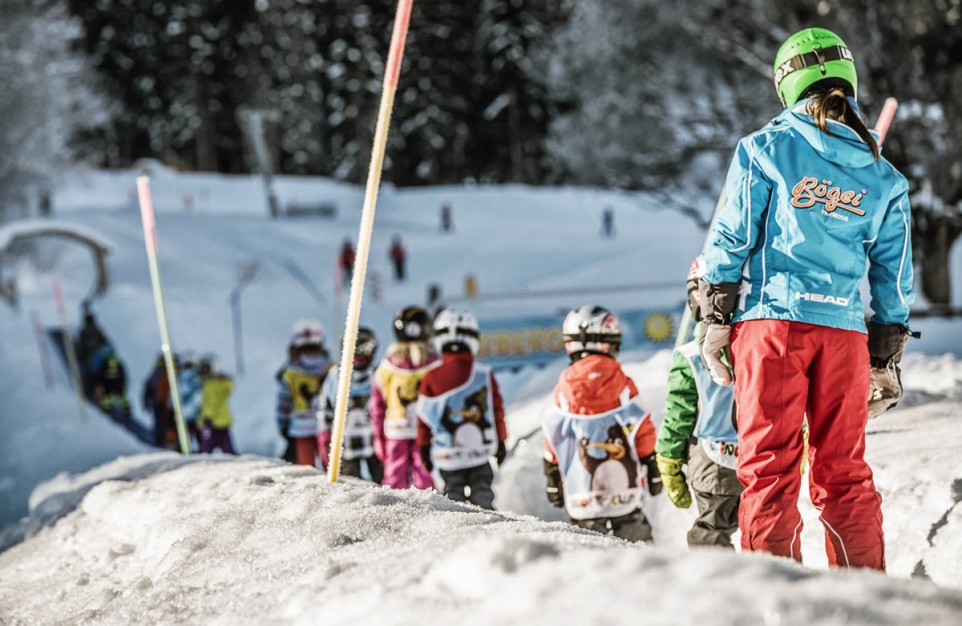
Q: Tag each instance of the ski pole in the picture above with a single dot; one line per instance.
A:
(882, 124)
(150, 240)
(42, 348)
(69, 350)
(391, 71)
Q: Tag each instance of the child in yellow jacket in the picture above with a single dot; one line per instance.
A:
(215, 413)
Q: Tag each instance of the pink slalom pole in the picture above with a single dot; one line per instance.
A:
(885, 118)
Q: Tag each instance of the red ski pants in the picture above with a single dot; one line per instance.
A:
(305, 449)
(787, 372)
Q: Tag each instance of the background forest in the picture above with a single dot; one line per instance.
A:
(635, 94)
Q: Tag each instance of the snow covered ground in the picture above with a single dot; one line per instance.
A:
(155, 538)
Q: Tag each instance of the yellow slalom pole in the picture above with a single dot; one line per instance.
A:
(150, 240)
(69, 350)
(401, 20)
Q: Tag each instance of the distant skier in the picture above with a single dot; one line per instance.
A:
(299, 384)
(90, 341)
(345, 261)
(358, 453)
(156, 399)
(461, 413)
(398, 255)
(110, 389)
(699, 430)
(216, 417)
(190, 386)
(397, 381)
(599, 444)
(447, 225)
(608, 222)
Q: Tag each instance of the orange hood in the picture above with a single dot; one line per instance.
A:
(595, 384)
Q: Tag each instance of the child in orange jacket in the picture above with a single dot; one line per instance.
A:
(599, 444)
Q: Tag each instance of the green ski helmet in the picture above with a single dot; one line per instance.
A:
(809, 56)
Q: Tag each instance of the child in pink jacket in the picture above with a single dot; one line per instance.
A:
(394, 393)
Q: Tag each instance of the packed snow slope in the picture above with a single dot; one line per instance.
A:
(156, 538)
(254, 541)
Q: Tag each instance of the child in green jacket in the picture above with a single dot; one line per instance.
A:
(699, 430)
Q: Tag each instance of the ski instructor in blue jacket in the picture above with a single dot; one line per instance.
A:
(810, 204)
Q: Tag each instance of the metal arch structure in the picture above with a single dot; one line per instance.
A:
(20, 233)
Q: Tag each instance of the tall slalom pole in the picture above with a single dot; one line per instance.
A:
(401, 20)
(150, 240)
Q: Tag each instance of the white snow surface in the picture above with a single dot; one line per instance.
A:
(116, 533)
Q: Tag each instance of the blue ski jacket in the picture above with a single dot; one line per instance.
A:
(805, 211)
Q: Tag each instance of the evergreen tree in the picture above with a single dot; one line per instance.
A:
(46, 101)
(177, 69)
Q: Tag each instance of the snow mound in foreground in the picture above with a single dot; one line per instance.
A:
(252, 540)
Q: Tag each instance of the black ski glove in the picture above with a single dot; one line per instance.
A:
(502, 452)
(714, 335)
(885, 346)
(654, 476)
(426, 458)
(554, 489)
(718, 302)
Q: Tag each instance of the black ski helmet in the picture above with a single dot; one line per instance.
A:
(365, 348)
(412, 324)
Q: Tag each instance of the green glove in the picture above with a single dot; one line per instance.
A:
(674, 480)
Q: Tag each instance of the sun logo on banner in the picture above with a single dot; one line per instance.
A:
(659, 327)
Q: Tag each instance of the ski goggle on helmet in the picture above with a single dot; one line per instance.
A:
(412, 324)
(456, 326)
(592, 328)
(810, 56)
(695, 272)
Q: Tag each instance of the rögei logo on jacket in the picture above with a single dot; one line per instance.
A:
(810, 191)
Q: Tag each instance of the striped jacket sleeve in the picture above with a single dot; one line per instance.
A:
(739, 222)
(890, 263)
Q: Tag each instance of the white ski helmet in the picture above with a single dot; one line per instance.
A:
(453, 326)
(593, 329)
(307, 333)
